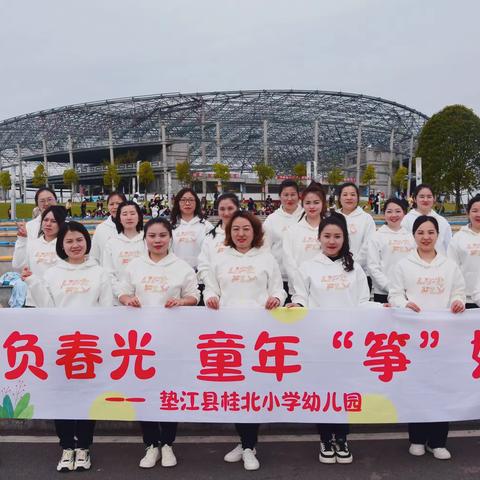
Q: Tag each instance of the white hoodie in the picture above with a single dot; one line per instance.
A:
(275, 227)
(103, 232)
(155, 282)
(21, 245)
(300, 243)
(430, 285)
(69, 285)
(444, 235)
(188, 238)
(211, 247)
(464, 250)
(361, 227)
(118, 253)
(476, 293)
(322, 282)
(244, 279)
(385, 249)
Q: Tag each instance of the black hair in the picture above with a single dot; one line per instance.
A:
(118, 223)
(160, 220)
(289, 183)
(422, 219)
(473, 200)
(339, 220)
(116, 194)
(71, 227)
(41, 190)
(396, 201)
(175, 215)
(419, 187)
(345, 185)
(224, 196)
(317, 189)
(59, 214)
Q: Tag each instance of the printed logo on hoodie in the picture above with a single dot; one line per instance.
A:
(473, 249)
(400, 246)
(186, 237)
(73, 286)
(431, 285)
(155, 283)
(335, 282)
(47, 258)
(127, 256)
(310, 243)
(245, 274)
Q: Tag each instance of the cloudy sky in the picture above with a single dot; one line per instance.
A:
(422, 53)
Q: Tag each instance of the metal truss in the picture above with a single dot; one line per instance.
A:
(232, 120)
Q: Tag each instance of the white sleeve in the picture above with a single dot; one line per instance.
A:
(362, 290)
(452, 251)
(396, 293)
(374, 264)
(212, 287)
(458, 287)
(203, 262)
(476, 293)
(109, 267)
(447, 237)
(289, 259)
(40, 292)
(268, 234)
(125, 285)
(300, 288)
(189, 286)
(275, 282)
(19, 259)
(370, 229)
(105, 298)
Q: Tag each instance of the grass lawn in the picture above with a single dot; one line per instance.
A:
(24, 210)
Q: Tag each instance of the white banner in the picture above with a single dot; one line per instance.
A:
(372, 365)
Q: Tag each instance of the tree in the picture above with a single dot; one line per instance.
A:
(369, 176)
(264, 173)
(300, 170)
(335, 176)
(111, 177)
(5, 183)
(449, 145)
(184, 173)
(222, 173)
(145, 175)
(39, 178)
(130, 156)
(70, 177)
(400, 180)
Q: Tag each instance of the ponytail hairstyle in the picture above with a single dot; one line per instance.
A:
(176, 215)
(345, 185)
(317, 189)
(59, 214)
(339, 220)
(224, 196)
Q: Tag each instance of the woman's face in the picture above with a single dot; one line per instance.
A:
(226, 208)
(45, 199)
(426, 236)
(289, 198)
(50, 226)
(331, 240)
(349, 198)
(158, 239)
(242, 233)
(312, 204)
(113, 204)
(394, 215)
(75, 245)
(129, 217)
(425, 200)
(187, 204)
(474, 215)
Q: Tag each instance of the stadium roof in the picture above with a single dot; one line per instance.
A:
(193, 118)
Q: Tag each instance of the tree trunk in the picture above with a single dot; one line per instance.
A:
(457, 200)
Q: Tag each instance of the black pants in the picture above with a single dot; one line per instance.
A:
(248, 433)
(471, 305)
(289, 297)
(69, 430)
(328, 430)
(434, 433)
(379, 298)
(152, 435)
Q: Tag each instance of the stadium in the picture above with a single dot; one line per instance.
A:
(236, 128)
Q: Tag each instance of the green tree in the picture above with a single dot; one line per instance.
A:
(5, 183)
(184, 173)
(449, 145)
(145, 175)
(300, 170)
(400, 180)
(369, 176)
(222, 173)
(264, 173)
(130, 156)
(70, 177)
(111, 177)
(335, 176)
(39, 178)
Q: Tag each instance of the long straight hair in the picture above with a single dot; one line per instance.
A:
(176, 213)
(224, 196)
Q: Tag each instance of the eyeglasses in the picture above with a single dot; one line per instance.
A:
(44, 201)
(187, 200)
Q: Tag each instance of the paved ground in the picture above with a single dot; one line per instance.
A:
(374, 459)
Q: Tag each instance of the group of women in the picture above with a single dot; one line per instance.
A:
(301, 256)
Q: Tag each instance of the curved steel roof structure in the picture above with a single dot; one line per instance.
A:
(240, 115)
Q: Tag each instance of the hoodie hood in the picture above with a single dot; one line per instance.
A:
(468, 230)
(437, 261)
(303, 222)
(194, 220)
(64, 265)
(296, 214)
(253, 252)
(168, 260)
(323, 259)
(137, 238)
(386, 229)
(358, 211)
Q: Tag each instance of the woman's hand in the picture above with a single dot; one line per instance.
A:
(26, 272)
(293, 305)
(413, 306)
(21, 229)
(387, 305)
(173, 302)
(457, 307)
(130, 301)
(213, 303)
(272, 302)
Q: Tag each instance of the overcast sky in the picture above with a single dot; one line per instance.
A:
(421, 53)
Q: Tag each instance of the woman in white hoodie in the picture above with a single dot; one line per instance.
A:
(464, 249)
(189, 227)
(158, 278)
(423, 201)
(129, 244)
(300, 242)
(107, 228)
(74, 282)
(244, 275)
(361, 225)
(389, 244)
(426, 279)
